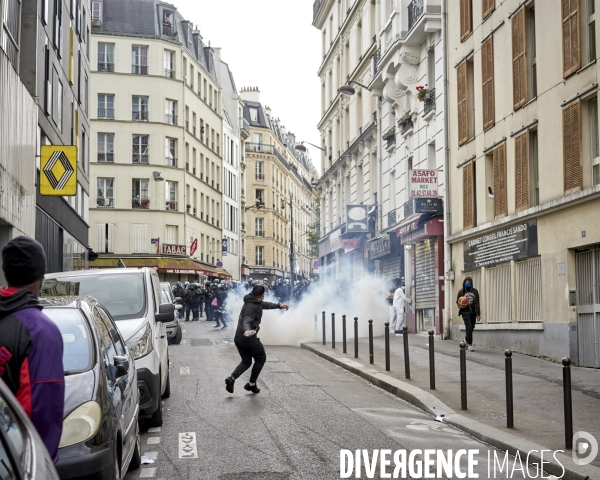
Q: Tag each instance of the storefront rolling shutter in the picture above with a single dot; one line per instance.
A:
(357, 265)
(345, 267)
(425, 275)
(391, 268)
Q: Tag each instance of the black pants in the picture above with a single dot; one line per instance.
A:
(470, 319)
(220, 317)
(249, 348)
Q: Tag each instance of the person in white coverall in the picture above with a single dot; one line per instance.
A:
(397, 315)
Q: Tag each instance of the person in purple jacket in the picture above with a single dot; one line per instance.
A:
(31, 346)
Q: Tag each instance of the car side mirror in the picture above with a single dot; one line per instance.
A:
(122, 365)
(166, 313)
(177, 301)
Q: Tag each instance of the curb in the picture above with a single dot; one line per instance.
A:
(424, 400)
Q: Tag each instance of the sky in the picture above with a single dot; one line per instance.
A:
(272, 45)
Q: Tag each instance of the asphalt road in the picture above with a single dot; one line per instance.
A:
(307, 411)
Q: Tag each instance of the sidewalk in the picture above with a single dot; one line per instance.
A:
(537, 385)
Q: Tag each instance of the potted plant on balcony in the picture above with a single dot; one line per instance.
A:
(145, 202)
(422, 91)
(100, 201)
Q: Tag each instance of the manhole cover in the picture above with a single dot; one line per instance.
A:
(201, 342)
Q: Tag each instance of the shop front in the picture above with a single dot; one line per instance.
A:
(271, 274)
(388, 252)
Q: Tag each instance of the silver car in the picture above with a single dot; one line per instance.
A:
(174, 332)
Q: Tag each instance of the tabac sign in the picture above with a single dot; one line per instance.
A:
(168, 249)
(58, 170)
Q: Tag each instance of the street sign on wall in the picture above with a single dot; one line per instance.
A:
(58, 170)
(193, 247)
(423, 183)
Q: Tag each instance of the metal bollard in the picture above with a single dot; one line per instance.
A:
(344, 333)
(406, 358)
(509, 389)
(387, 347)
(333, 330)
(568, 404)
(371, 359)
(463, 375)
(431, 361)
(355, 337)
(324, 342)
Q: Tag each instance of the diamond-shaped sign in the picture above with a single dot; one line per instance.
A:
(58, 175)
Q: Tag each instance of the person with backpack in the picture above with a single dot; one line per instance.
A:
(469, 309)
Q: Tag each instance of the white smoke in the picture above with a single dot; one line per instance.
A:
(364, 298)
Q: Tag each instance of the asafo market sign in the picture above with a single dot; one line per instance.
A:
(423, 183)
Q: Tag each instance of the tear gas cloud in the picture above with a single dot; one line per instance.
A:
(364, 298)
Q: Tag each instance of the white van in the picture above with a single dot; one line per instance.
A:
(133, 298)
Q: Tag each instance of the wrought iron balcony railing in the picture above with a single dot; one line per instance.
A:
(415, 11)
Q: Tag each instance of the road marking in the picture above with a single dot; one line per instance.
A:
(154, 429)
(187, 445)
(425, 425)
(152, 455)
(184, 371)
(148, 472)
(153, 440)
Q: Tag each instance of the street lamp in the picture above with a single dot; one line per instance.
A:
(349, 90)
(301, 148)
(291, 204)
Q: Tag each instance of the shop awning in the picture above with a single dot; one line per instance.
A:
(163, 264)
(409, 224)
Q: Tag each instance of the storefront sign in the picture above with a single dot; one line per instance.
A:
(428, 205)
(411, 227)
(423, 183)
(358, 220)
(432, 228)
(171, 270)
(513, 243)
(380, 248)
(173, 249)
(349, 243)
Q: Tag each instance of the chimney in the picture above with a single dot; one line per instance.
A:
(250, 94)
(292, 138)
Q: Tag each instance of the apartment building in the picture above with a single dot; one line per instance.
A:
(525, 173)
(158, 132)
(53, 63)
(280, 197)
(350, 175)
(408, 74)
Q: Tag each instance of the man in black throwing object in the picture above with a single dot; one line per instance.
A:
(246, 341)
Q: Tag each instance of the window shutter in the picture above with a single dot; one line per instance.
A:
(487, 7)
(572, 147)
(463, 112)
(487, 75)
(519, 59)
(522, 172)
(101, 237)
(139, 238)
(570, 36)
(499, 160)
(111, 238)
(465, 19)
(468, 200)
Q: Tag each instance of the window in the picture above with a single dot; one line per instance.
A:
(469, 196)
(172, 234)
(169, 64)
(140, 237)
(487, 7)
(572, 147)
(594, 146)
(466, 117)
(139, 193)
(589, 33)
(487, 76)
(466, 19)
(260, 255)
(171, 112)
(171, 195)
(499, 169)
(59, 104)
(105, 198)
(259, 227)
(170, 152)
(106, 57)
(139, 107)
(58, 35)
(254, 115)
(105, 238)
(106, 147)
(524, 56)
(96, 11)
(140, 148)
(168, 25)
(139, 60)
(259, 171)
(260, 194)
(106, 106)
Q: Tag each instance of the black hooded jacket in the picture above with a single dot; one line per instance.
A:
(251, 314)
(469, 292)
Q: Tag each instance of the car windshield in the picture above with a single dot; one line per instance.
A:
(121, 293)
(77, 340)
(164, 296)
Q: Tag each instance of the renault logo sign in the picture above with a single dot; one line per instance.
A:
(58, 175)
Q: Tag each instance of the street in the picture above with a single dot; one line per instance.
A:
(307, 411)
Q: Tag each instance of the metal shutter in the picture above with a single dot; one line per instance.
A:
(425, 275)
(345, 267)
(357, 265)
(391, 268)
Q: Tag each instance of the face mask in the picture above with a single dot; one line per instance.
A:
(468, 285)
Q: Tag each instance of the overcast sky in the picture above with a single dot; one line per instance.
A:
(270, 44)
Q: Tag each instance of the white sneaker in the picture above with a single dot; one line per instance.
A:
(471, 348)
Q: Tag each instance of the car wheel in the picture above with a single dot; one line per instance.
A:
(136, 459)
(176, 340)
(167, 393)
(156, 420)
(117, 467)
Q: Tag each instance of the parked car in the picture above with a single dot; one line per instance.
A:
(174, 331)
(132, 297)
(101, 435)
(23, 455)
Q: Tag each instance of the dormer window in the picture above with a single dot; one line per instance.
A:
(168, 25)
(97, 11)
(254, 115)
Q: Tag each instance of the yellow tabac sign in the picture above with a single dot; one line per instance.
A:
(58, 170)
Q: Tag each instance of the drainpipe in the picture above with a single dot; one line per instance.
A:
(447, 216)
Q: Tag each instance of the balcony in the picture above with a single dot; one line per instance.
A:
(260, 263)
(171, 206)
(139, 116)
(260, 176)
(171, 119)
(260, 233)
(108, 113)
(429, 101)
(406, 124)
(106, 67)
(392, 218)
(169, 31)
(140, 204)
(106, 158)
(170, 161)
(139, 158)
(169, 73)
(415, 11)
(245, 125)
(376, 58)
(139, 69)
(259, 147)
(105, 202)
